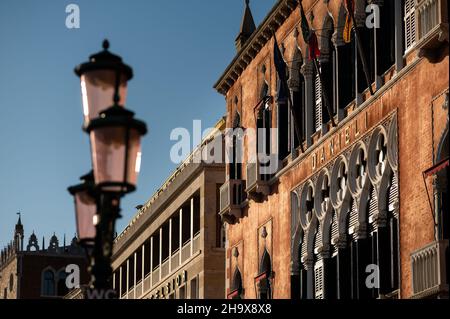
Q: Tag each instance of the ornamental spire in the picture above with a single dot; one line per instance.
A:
(247, 27)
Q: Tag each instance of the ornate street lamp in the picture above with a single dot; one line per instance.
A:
(116, 149)
(115, 137)
(103, 77)
(85, 209)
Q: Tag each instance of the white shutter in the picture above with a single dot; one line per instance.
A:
(393, 195)
(353, 219)
(318, 280)
(304, 249)
(334, 231)
(334, 227)
(410, 23)
(318, 240)
(373, 207)
(318, 103)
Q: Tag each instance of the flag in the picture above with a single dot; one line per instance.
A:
(350, 7)
(309, 36)
(314, 51)
(305, 26)
(280, 66)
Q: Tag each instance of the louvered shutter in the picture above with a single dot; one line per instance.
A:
(353, 219)
(318, 103)
(410, 23)
(304, 248)
(318, 280)
(334, 230)
(373, 207)
(318, 265)
(393, 195)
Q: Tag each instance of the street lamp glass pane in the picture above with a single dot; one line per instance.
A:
(97, 91)
(85, 208)
(108, 156)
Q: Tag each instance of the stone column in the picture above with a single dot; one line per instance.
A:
(134, 275)
(308, 74)
(181, 236)
(160, 251)
(151, 261)
(170, 245)
(120, 282)
(192, 226)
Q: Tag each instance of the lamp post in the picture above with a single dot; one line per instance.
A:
(115, 138)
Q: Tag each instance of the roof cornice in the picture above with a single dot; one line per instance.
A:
(276, 17)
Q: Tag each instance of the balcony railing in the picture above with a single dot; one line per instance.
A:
(196, 243)
(257, 185)
(429, 270)
(139, 290)
(165, 268)
(231, 197)
(186, 252)
(147, 283)
(162, 271)
(175, 259)
(155, 276)
(432, 22)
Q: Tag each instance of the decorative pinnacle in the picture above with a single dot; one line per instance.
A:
(105, 44)
(247, 2)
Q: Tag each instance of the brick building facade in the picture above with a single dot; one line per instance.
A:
(365, 196)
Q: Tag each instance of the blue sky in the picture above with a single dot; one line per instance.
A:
(178, 49)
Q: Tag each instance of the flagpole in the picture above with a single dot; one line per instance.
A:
(294, 115)
(324, 93)
(361, 53)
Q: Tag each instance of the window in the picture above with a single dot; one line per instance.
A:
(182, 292)
(194, 288)
(317, 103)
(5, 293)
(410, 24)
(264, 283)
(237, 144)
(11, 282)
(386, 37)
(362, 186)
(236, 286)
(61, 285)
(48, 285)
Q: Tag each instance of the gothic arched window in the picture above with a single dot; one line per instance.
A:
(61, 284)
(386, 37)
(48, 284)
(236, 286)
(265, 270)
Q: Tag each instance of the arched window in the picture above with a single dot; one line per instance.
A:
(367, 47)
(11, 282)
(328, 68)
(236, 287)
(236, 163)
(264, 125)
(386, 37)
(48, 284)
(318, 265)
(297, 87)
(264, 283)
(61, 284)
